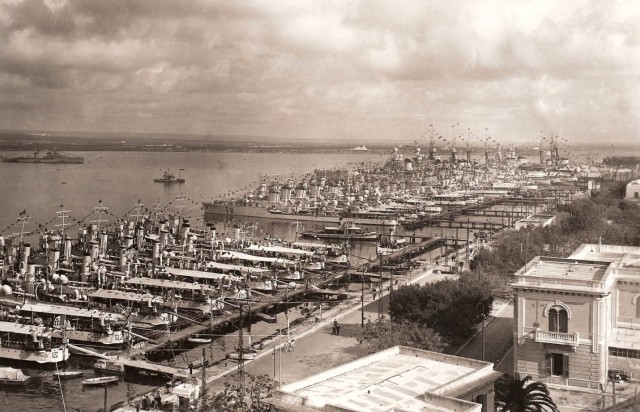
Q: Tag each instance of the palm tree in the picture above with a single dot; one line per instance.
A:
(523, 395)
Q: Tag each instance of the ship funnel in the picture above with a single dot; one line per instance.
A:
(156, 253)
(104, 238)
(128, 241)
(54, 257)
(122, 260)
(86, 266)
(140, 237)
(26, 252)
(162, 226)
(94, 232)
(184, 232)
(67, 249)
(131, 228)
(93, 250)
(164, 238)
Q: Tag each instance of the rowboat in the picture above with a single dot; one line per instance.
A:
(102, 380)
(265, 317)
(199, 339)
(68, 374)
(12, 376)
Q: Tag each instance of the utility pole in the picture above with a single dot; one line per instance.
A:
(241, 359)
(203, 389)
(380, 287)
(482, 316)
(181, 199)
(362, 298)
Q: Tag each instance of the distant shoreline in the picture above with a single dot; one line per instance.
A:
(17, 141)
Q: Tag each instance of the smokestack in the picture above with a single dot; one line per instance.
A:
(86, 264)
(156, 253)
(26, 252)
(54, 257)
(122, 261)
(93, 250)
(67, 249)
(184, 232)
(94, 232)
(164, 238)
(104, 237)
(128, 241)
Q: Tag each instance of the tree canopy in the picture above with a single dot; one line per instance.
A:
(523, 395)
(383, 333)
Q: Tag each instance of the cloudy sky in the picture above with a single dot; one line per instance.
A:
(362, 70)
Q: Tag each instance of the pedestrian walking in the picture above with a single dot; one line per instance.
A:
(336, 326)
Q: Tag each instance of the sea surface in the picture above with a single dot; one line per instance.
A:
(118, 181)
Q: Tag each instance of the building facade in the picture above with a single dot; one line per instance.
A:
(578, 318)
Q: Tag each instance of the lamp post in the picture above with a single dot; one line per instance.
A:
(482, 317)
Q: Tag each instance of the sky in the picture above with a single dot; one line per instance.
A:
(365, 70)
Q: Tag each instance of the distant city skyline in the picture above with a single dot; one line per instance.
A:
(361, 71)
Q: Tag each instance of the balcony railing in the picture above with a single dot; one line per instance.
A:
(559, 338)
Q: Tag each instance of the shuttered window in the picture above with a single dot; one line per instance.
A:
(558, 320)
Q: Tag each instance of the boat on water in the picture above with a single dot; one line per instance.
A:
(50, 157)
(102, 380)
(12, 376)
(68, 374)
(199, 339)
(281, 211)
(362, 148)
(106, 366)
(88, 326)
(169, 177)
(29, 343)
(391, 246)
(343, 232)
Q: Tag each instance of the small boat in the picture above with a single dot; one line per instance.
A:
(68, 374)
(343, 232)
(102, 380)
(12, 376)
(103, 365)
(169, 177)
(199, 339)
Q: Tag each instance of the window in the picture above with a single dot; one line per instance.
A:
(638, 308)
(558, 320)
(558, 364)
(482, 400)
(635, 195)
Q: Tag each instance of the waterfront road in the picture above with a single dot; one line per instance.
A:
(316, 349)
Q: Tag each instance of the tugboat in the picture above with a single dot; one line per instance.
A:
(346, 231)
(169, 177)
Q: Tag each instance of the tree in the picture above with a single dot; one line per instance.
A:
(384, 333)
(257, 388)
(523, 395)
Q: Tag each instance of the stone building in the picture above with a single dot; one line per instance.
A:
(578, 318)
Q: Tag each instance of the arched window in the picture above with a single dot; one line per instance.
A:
(558, 320)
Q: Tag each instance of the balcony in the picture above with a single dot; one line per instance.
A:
(559, 338)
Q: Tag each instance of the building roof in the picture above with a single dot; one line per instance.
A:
(396, 379)
(623, 256)
(565, 274)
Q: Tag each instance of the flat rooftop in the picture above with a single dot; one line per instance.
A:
(564, 273)
(395, 379)
(623, 256)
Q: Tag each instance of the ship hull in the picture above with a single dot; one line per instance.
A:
(263, 212)
(74, 160)
(42, 357)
